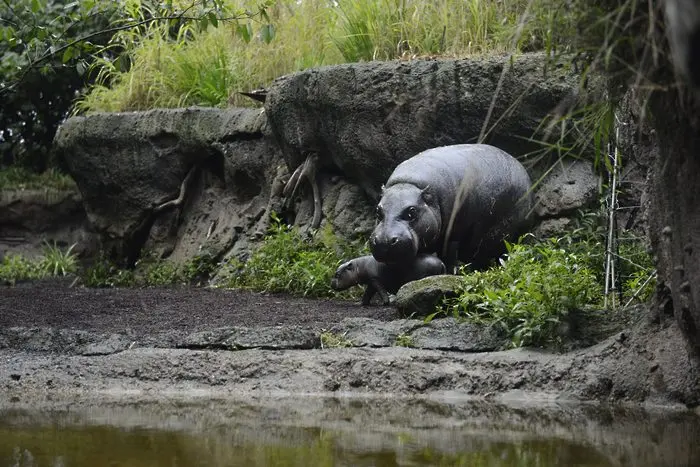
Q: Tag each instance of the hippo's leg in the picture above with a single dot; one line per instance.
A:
(369, 293)
(383, 294)
(307, 170)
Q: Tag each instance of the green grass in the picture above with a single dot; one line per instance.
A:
(18, 178)
(404, 340)
(211, 66)
(54, 262)
(331, 340)
(287, 261)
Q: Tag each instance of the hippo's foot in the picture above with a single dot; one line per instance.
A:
(307, 170)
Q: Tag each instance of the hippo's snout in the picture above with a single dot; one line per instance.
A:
(392, 249)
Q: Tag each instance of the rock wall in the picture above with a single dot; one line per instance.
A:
(184, 181)
(214, 167)
(363, 119)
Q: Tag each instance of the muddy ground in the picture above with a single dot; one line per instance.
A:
(58, 342)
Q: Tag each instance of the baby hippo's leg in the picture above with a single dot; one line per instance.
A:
(378, 287)
(369, 293)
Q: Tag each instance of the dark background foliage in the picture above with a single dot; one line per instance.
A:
(41, 73)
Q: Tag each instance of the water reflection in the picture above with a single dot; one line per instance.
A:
(334, 432)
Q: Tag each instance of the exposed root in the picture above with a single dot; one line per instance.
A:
(181, 197)
(307, 170)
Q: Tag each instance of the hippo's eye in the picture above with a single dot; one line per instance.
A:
(379, 212)
(411, 213)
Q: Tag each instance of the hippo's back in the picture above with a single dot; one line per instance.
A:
(490, 173)
(451, 163)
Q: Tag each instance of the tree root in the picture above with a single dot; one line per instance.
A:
(307, 170)
(181, 197)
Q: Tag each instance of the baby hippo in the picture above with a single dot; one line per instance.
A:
(383, 278)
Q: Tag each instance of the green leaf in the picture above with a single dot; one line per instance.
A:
(67, 54)
(267, 33)
(213, 19)
(245, 31)
(81, 67)
(36, 6)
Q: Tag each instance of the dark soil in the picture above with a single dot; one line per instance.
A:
(52, 303)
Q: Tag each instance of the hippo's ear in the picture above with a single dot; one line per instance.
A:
(383, 187)
(427, 195)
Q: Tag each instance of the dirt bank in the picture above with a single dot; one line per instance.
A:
(149, 344)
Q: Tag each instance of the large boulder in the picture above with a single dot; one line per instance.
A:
(363, 119)
(127, 165)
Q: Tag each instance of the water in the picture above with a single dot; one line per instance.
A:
(316, 431)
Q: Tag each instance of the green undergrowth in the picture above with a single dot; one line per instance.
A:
(539, 283)
(53, 262)
(19, 178)
(150, 271)
(284, 261)
(291, 262)
(209, 65)
(529, 294)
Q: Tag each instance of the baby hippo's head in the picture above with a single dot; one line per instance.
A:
(346, 276)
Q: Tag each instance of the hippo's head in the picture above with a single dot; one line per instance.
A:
(345, 276)
(408, 222)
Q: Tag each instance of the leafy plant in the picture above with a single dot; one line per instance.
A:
(528, 295)
(56, 262)
(200, 268)
(331, 340)
(287, 261)
(404, 340)
(17, 268)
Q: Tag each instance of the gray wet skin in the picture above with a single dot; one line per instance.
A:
(383, 279)
(414, 212)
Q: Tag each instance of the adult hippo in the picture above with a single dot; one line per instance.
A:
(461, 201)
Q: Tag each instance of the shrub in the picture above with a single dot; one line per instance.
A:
(286, 261)
(150, 271)
(535, 287)
(18, 268)
(54, 262)
(37, 86)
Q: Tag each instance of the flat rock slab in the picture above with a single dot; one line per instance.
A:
(66, 341)
(439, 334)
(450, 334)
(239, 338)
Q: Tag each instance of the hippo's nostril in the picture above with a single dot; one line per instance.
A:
(394, 240)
